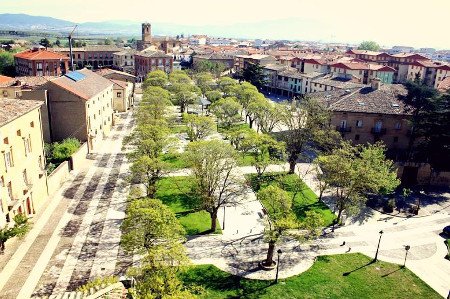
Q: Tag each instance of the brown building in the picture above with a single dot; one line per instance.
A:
(227, 60)
(40, 62)
(80, 105)
(91, 56)
(165, 43)
(370, 114)
(146, 62)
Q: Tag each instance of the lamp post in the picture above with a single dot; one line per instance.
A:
(278, 264)
(407, 247)
(223, 221)
(378, 247)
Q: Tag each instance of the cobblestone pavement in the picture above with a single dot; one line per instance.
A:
(76, 237)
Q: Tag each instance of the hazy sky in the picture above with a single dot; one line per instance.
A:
(390, 22)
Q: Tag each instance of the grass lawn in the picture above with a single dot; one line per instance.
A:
(304, 197)
(174, 160)
(245, 159)
(325, 279)
(236, 127)
(178, 129)
(175, 192)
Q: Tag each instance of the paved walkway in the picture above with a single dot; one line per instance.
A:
(76, 236)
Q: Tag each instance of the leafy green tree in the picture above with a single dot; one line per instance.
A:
(20, 228)
(205, 81)
(61, 151)
(45, 42)
(179, 77)
(254, 73)
(107, 41)
(198, 126)
(154, 105)
(58, 42)
(263, 148)
(267, 114)
(306, 129)
(7, 63)
(151, 229)
(214, 165)
(156, 78)
(420, 101)
(213, 95)
(354, 171)
(282, 220)
(184, 94)
(147, 171)
(227, 85)
(227, 111)
(369, 46)
(216, 68)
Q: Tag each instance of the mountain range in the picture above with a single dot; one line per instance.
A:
(275, 29)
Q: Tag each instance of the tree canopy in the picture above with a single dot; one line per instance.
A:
(369, 46)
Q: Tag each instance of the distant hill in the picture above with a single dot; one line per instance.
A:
(27, 22)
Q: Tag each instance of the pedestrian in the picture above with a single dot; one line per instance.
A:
(343, 243)
(349, 248)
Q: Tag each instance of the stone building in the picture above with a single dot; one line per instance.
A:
(23, 181)
(165, 43)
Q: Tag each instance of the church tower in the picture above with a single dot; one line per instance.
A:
(146, 32)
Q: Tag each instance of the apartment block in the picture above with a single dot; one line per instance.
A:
(23, 181)
(40, 62)
(146, 62)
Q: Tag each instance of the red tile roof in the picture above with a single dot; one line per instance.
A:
(10, 109)
(444, 85)
(6, 81)
(121, 84)
(40, 55)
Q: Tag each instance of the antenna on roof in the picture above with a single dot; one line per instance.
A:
(70, 48)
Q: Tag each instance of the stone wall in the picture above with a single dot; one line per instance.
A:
(58, 177)
(78, 159)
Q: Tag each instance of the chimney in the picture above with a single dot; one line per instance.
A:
(376, 83)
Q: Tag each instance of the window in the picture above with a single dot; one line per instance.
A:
(25, 177)
(27, 144)
(9, 162)
(10, 193)
(378, 126)
(395, 139)
(357, 137)
(343, 123)
(359, 123)
(32, 124)
(398, 125)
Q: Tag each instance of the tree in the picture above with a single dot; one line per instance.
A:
(156, 78)
(213, 165)
(354, 171)
(184, 94)
(198, 126)
(369, 46)
(227, 111)
(254, 73)
(148, 170)
(216, 68)
(227, 85)
(154, 105)
(45, 42)
(213, 95)
(267, 114)
(282, 220)
(264, 150)
(306, 129)
(420, 101)
(151, 229)
(107, 41)
(57, 42)
(20, 228)
(205, 81)
(7, 67)
(178, 76)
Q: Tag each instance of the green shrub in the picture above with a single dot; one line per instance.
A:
(98, 282)
(62, 151)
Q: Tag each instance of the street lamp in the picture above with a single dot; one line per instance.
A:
(407, 247)
(278, 264)
(378, 247)
(223, 221)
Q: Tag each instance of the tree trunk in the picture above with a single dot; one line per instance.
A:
(213, 220)
(250, 122)
(292, 166)
(270, 251)
(338, 220)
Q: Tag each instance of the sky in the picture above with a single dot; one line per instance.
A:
(389, 22)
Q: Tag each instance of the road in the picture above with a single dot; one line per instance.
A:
(76, 236)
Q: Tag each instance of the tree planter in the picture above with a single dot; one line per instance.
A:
(265, 267)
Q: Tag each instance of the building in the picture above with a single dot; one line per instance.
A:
(165, 43)
(227, 60)
(124, 61)
(8, 87)
(363, 72)
(242, 61)
(401, 49)
(80, 105)
(123, 95)
(40, 62)
(23, 181)
(146, 62)
(442, 73)
(91, 56)
(370, 114)
(198, 40)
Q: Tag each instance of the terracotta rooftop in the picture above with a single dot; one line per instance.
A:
(40, 55)
(86, 88)
(444, 85)
(107, 71)
(33, 82)
(157, 54)
(337, 82)
(384, 100)
(10, 109)
(121, 84)
(6, 81)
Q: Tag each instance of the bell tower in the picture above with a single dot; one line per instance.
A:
(146, 32)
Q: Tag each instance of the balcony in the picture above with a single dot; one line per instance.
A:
(343, 129)
(378, 131)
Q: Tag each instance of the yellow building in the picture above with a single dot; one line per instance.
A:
(23, 181)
